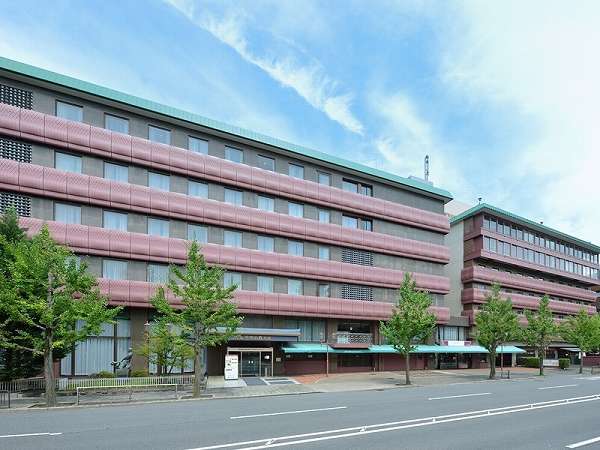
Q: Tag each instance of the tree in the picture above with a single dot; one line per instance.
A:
(208, 316)
(166, 345)
(14, 363)
(496, 323)
(47, 291)
(582, 330)
(540, 329)
(411, 321)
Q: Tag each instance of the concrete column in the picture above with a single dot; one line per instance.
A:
(514, 360)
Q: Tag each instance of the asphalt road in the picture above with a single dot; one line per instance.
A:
(459, 416)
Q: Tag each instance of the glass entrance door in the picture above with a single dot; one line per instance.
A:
(250, 366)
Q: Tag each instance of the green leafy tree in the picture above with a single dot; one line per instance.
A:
(411, 321)
(208, 316)
(14, 363)
(540, 329)
(582, 330)
(47, 291)
(166, 344)
(496, 323)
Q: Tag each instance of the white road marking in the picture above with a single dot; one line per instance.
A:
(582, 443)
(589, 378)
(301, 411)
(29, 434)
(557, 387)
(459, 396)
(282, 441)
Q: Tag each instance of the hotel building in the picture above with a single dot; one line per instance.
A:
(489, 245)
(317, 245)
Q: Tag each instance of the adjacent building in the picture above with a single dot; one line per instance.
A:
(316, 244)
(489, 245)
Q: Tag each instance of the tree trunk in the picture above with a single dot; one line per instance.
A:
(580, 362)
(492, 357)
(407, 368)
(198, 368)
(49, 371)
(48, 359)
(542, 352)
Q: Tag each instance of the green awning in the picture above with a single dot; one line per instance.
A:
(301, 347)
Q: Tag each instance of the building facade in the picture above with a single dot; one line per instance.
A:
(489, 245)
(316, 245)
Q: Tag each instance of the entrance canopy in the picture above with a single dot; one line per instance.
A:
(322, 348)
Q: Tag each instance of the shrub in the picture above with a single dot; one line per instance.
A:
(531, 361)
(564, 363)
(104, 374)
(139, 373)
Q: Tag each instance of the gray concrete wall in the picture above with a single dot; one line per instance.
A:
(454, 240)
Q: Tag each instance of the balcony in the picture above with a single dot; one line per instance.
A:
(345, 339)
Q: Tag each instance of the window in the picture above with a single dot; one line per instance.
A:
(115, 221)
(350, 186)
(232, 238)
(115, 123)
(324, 178)
(349, 222)
(266, 163)
(366, 224)
(266, 244)
(324, 253)
(116, 172)
(69, 111)
(266, 203)
(296, 171)
(493, 245)
(233, 197)
(159, 181)
(264, 284)
(113, 269)
(295, 248)
(66, 162)
(197, 189)
(157, 273)
(324, 290)
(295, 209)
(197, 233)
(198, 145)
(234, 155)
(159, 135)
(232, 279)
(158, 227)
(324, 216)
(354, 256)
(295, 287)
(67, 213)
(367, 190)
(356, 292)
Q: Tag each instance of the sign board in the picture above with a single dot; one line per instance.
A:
(231, 367)
(551, 363)
(456, 343)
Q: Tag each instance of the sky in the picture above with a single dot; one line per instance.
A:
(503, 96)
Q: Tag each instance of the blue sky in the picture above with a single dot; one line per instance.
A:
(503, 96)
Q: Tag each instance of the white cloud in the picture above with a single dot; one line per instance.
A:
(406, 137)
(540, 59)
(291, 69)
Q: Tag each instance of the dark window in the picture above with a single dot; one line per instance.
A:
(21, 203)
(356, 292)
(360, 257)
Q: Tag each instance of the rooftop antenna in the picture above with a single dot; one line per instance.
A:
(426, 168)
(479, 200)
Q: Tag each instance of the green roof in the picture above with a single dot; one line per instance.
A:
(303, 347)
(196, 119)
(484, 207)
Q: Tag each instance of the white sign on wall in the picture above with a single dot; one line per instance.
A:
(231, 367)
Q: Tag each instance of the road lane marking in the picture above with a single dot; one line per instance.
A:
(459, 396)
(29, 434)
(281, 441)
(557, 387)
(301, 411)
(583, 443)
(589, 378)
